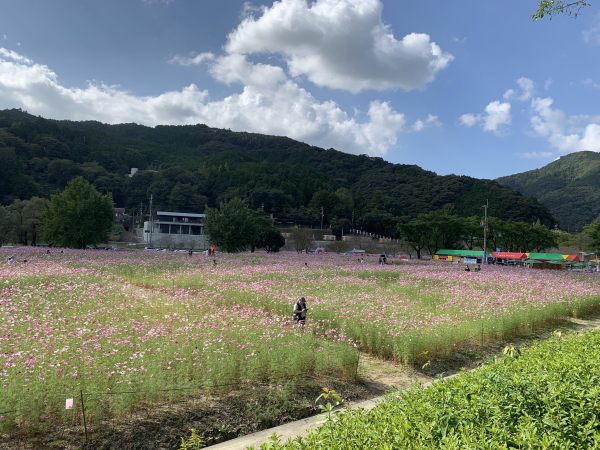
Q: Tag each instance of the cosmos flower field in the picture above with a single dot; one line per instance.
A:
(101, 322)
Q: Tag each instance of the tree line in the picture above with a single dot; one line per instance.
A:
(443, 229)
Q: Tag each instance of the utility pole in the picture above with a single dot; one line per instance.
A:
(485, 225)
(151, 224)
(322, 211)
(132, 225)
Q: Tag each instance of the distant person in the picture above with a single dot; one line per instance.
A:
(214, 262)
(380, 260)
(384, 259)
(12, 260)
(478, 268)
(467, 269)
(362, 261)
(300, 309)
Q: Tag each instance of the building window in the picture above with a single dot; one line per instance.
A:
(164, 228)
(195, 231)
(185, 229)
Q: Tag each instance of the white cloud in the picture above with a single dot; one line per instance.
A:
(340, 44)
(422, 124)
(462, 41)
(496, 115)
(535, 155)
(192, 60)
(237, 69)
(590, 82)
(567, 134)
(548, 83)
(527, 89)
(166, 2)
(9, 54)
(592, 36)
(469, 119)
(4, 37)
(269, 103)
(494, 118)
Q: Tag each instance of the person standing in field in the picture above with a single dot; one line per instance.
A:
(300, 309)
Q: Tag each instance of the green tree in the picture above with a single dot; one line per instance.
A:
(445, 230)
(338, 247)
(473, 232)
(5, 227)
(302, 239)
(541, 238)
(551, 8)
(269, 238)
(340, 226)
(415, 234)
(346, 199)
(379, 222)
(232, 227)
(78, 216)
(24, 219)
(117, 232)
(593, 232)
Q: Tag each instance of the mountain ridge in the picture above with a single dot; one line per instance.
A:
(568, 186)
(191, 166)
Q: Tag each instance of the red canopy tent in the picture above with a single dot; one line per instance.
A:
(509, 255)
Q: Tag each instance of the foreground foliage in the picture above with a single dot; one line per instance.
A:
(548, 398)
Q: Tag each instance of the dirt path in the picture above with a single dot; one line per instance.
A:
(383, 376)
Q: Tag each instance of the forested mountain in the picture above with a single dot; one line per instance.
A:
(569, 187)
(186, 168)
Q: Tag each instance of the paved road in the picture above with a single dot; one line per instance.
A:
(287, 431)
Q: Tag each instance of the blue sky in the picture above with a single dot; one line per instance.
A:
(462, 87)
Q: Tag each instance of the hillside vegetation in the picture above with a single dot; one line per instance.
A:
(569, 187)
(186, 168)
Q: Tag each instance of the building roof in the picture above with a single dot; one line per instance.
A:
(547, 256)
(164, 213)
(509, 255)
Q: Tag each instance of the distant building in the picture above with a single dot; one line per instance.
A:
(175, 230)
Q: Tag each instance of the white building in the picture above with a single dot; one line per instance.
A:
(176, 230)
